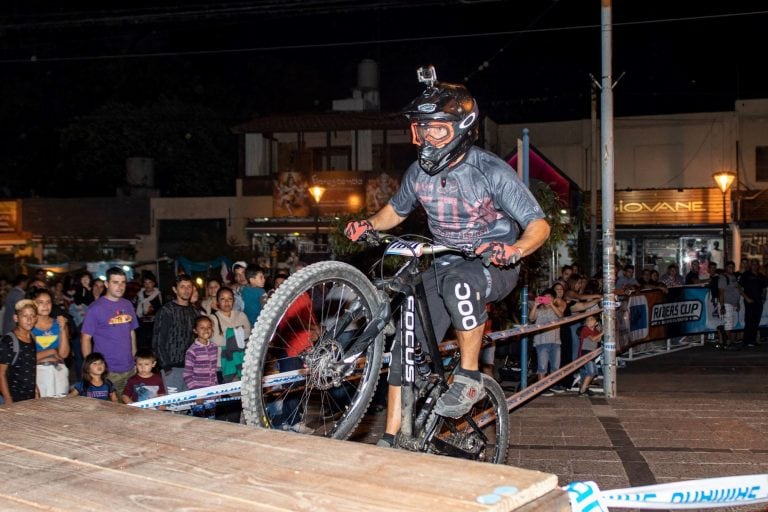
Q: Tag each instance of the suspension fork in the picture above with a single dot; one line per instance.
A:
(373, 329)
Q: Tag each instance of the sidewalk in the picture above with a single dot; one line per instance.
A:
(697, 413)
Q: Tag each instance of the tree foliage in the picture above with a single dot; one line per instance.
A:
(193, 150)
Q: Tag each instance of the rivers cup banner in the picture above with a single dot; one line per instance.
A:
(650, 315)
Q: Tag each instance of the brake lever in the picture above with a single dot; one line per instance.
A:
(371, 237)
(486, 256)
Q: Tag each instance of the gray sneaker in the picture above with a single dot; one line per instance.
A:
(460, 397)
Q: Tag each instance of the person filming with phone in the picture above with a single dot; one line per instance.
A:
(547, 308)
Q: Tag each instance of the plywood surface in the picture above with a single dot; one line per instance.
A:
(85, 454)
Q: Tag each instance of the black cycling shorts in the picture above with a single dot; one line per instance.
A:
(457, 292)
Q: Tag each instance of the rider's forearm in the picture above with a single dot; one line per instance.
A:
(385, 219)
(534, 236)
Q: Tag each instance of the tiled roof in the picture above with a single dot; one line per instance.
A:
(107, 217)
(323, 122)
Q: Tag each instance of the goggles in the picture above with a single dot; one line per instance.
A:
(434, 133)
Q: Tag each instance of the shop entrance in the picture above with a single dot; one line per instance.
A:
(656, 252)
(703, 249)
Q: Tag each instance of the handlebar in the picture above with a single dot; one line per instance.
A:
(397, 246)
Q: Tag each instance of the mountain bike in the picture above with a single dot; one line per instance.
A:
(314, 358)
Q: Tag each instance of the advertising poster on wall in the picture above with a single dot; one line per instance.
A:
(291, 195)
(378, 189)
(9, 215)
(343, 191)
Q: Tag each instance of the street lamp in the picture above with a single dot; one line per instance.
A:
(724, 179)
(317, 193)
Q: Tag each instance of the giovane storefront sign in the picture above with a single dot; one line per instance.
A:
(670, 207)
(661, 206)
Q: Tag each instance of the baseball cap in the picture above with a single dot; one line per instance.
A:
(239, 264)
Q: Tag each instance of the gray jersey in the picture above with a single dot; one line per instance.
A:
(479, 200)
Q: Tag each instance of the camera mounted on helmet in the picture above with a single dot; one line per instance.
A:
(427, 75)
(444, 121)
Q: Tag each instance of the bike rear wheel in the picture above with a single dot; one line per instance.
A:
(291, 376)
(491, 415)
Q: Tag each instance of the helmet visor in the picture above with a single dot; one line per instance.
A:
(434, 133)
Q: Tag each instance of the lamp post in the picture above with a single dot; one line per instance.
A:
(317, 193)
(724, 179)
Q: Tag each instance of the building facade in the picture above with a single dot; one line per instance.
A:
(668, 208)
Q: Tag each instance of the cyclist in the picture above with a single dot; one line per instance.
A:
(474, 200)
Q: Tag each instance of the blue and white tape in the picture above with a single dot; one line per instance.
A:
(191, 395)
(689, 494)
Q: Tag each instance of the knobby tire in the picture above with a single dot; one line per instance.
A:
(290, 336)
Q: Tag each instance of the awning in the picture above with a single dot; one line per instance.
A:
(540, 168)
(287, 227)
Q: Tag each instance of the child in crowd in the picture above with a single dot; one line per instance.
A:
(145, 383)
(202, 357)
(18, 364)
(253, 292)
(95, 383)
(590, 336)
(52, 343)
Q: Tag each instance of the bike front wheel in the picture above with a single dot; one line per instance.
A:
(486, 437)
(294, 377)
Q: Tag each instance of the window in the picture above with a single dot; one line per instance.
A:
(761, 163)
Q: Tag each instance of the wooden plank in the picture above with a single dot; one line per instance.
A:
(553, 501)
(127, 456)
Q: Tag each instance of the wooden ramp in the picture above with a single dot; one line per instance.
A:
(85, 454)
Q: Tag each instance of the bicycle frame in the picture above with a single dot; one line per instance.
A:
(411, 300)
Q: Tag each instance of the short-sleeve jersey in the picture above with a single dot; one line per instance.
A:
(143, 388)
(110, 323)
(481, 199)
(98, 392)
(21, 376)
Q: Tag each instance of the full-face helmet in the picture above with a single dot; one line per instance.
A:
(444, 122)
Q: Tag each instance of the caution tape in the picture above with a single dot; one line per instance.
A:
(690, 494)
(191, 395)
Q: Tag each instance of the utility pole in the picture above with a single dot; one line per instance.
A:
(609, 236)
(594, 177)
(523, 148)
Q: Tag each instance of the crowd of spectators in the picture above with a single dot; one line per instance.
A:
(123, 341)
(573, 292)
(731, 288)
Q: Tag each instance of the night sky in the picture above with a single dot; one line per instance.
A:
(85, 86)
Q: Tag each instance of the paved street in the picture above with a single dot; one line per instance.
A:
(697, 413)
